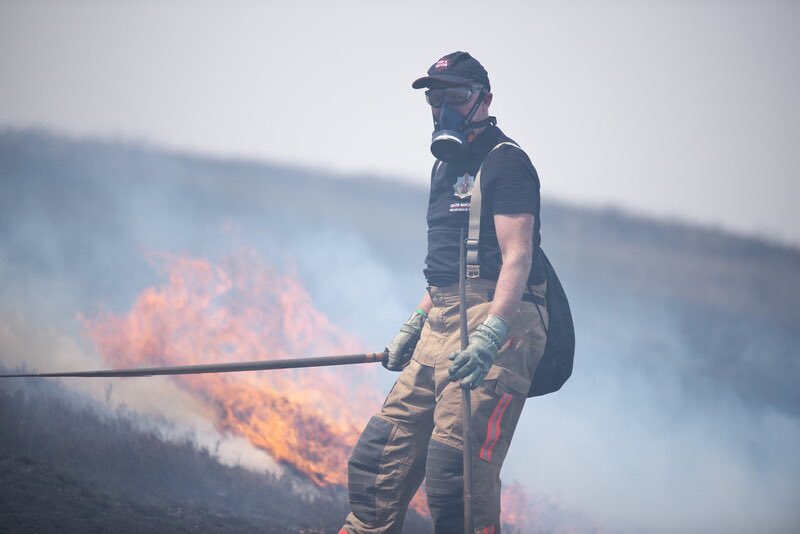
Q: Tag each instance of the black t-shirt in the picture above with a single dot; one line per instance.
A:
(509, 184)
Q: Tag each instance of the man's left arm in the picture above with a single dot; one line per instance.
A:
(515, 237)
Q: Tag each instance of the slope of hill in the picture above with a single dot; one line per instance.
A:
(687, 358)
(67, 464)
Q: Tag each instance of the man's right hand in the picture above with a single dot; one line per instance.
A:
(402, 346)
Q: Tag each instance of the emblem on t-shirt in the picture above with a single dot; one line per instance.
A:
(463, 185)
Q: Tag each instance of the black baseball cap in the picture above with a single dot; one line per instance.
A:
(454, 69)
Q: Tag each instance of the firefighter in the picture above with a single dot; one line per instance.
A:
(418, 432)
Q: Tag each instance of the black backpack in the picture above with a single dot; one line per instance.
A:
(555, 367)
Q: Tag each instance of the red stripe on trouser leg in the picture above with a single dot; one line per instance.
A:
(493, 427)
(497, 424)
(490, 426)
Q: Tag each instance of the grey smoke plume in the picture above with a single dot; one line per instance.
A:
(682, 414)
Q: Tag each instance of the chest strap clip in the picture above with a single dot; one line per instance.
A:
(473, 264)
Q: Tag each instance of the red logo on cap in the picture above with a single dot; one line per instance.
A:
(441, 64)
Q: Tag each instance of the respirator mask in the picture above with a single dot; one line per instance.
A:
(452, 132)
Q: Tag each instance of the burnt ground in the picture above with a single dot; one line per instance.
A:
(66, 466)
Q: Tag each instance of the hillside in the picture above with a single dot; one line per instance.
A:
(685, 372)
(69, 465)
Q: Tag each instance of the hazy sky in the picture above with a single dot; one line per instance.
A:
(679, 109)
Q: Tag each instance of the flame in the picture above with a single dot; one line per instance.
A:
(523, 513)
(243, 309)
(514, 507)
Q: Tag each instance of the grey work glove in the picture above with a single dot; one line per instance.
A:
(471, 364)
(402, 346)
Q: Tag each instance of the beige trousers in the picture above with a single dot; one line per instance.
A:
(418, 432)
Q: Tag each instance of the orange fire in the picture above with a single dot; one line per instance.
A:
(243, 309)
(515, 505)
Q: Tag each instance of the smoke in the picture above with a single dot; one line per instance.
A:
(633, 443)
(681, 415)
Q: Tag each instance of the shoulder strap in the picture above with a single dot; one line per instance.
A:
(473, 235)
(436, 166)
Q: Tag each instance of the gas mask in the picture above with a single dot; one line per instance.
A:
(453, 132)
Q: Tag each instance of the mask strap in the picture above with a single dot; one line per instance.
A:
(485, 122)
(475, 107)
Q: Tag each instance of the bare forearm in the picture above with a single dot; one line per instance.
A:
(510, 286)
(514, 234)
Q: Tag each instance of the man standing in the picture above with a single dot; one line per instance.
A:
(418, 432)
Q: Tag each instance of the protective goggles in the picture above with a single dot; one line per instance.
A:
(457, 94)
